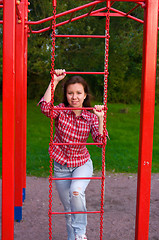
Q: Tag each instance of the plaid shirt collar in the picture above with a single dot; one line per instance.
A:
(85, 114)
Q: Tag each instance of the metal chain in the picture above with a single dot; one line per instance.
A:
(104, 121)
(51, 123)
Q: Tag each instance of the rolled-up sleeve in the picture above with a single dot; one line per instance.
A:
(47, 108)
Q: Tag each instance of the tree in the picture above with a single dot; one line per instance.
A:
(125, 52)
(72, 54)
(125, 59)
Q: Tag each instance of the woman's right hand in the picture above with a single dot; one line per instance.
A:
(59, 75)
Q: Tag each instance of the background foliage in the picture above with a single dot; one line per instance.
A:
(125, 53)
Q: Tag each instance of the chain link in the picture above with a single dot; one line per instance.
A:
(51, 123)
(104, 121)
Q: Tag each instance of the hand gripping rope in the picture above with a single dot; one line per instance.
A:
(50, 213)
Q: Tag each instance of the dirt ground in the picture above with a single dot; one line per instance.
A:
(119, 216)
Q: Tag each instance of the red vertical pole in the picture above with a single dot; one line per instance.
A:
(25, 95)
(147, 119)
(19, 112)
(8, 119)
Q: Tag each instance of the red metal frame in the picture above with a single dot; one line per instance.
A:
(24, 111)
(20, 107)
(99, 12)
(147, 119)
(8, 116)
(19, 59)
(12, 113)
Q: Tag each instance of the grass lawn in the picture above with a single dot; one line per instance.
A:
(121, 150)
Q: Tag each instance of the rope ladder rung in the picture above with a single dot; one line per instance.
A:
(62, 213)
(77, 178)
(95, 73)
(79, 36)
(74, 143)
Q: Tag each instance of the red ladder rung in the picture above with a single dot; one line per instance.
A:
(74, 143)
(60, 213)
(99, 73)
(72, 108)
(80, 36)
(77, 178)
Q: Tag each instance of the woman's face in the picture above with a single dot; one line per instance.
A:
(75, 95)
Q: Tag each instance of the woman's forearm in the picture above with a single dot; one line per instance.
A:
(100, 126)
(47, 95)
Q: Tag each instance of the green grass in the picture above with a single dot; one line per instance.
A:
(121, 150)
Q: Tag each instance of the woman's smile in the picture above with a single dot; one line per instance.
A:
(75, 102)
(76, 95)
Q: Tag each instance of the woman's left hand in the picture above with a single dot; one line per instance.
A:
(99, 110)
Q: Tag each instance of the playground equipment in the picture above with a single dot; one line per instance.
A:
(102, 178)
(16, 28)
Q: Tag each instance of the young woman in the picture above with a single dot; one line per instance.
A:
(73, 126)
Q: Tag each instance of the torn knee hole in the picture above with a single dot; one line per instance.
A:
(75, 193)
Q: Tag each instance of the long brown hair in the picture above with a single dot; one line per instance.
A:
(73, 80)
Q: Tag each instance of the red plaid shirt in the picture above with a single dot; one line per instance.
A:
(70, 128)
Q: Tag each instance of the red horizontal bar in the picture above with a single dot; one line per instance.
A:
(74, 143)
(58, 213)
(1, 21)
(1, 6)
(81, 36)
(100, 73)
(80, 178)
(100, 14)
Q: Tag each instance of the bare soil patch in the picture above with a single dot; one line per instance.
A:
(119, 215)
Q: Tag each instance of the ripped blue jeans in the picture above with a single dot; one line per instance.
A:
(72, 195)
